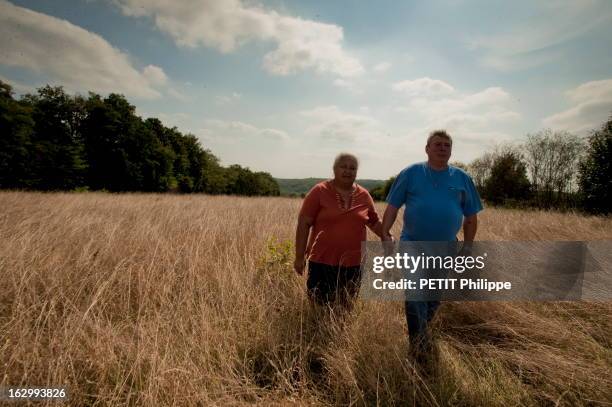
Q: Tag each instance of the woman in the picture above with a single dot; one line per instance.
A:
(337, 211)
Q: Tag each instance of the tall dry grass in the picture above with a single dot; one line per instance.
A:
(191, 300)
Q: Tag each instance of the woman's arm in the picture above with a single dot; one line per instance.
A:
(301, 239)
(374, 222)
(377, 228)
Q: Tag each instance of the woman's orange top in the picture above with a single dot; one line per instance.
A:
(337, 233)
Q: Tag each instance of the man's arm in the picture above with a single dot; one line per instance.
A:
(388, 220)
(470, 225)
(301, 239)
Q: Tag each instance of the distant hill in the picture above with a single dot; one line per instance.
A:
(299, 186)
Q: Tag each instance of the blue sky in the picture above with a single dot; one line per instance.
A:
(283, 86)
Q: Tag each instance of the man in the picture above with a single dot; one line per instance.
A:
(438, 200)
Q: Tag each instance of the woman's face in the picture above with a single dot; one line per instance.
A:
(345, 171)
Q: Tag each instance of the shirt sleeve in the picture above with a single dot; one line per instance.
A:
(398, 191)
(472, 204)
(311, 203)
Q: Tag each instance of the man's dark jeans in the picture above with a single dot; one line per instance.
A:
(418, 316)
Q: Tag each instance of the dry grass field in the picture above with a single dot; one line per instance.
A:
(191, 300)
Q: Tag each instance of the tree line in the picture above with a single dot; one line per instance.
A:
(550, 169)
(298, 187)
(54, 141)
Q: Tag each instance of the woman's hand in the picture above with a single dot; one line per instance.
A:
(388, 243)
(387, 238)
(298, 266)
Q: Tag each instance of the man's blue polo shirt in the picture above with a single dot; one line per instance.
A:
(436, 201)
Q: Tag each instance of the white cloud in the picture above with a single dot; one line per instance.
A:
(381, 67)
(223, 100)
(492, 100)
(342, 83)
(331, 123)
(155, 75)
(470, 116)
(594, 90)
(68, 55)
(478, 129)
(349, 85)
(467, 142)
(423, 87)
(531, 42)
(226, 25)
(593, 107)
(175, 93)
(505, 62)
(233, 131)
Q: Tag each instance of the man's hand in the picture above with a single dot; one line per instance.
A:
(466, 249)
(387, 238)
(470, 226)
(298, 266)
(388, 220)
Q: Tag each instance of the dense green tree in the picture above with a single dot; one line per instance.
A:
(242, 181)
(595, 171)
(266, 184)
(16, 128)
(102, 132)
(214, 180)
(54, 141)
(56, 149)
(508, 180)
(124, 153)
(196, 158)
(163, 155)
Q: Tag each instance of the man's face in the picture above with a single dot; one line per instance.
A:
(439, 149)
(346, 171)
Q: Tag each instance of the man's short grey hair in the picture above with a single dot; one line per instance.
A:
(439, 133)
(344, 156)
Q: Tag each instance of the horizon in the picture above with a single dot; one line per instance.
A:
(283, 87)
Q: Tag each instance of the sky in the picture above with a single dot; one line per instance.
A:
(283, 86)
